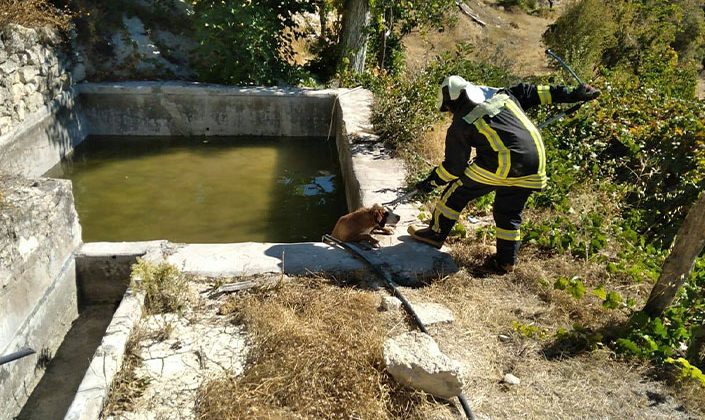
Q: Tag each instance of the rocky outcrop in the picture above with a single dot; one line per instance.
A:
(415, 360)
(34, 69)
(39, 233)
(146, 40)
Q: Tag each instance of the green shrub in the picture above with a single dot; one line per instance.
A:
(405, 106)
(164, 286)
(247, 42)
(658, 42)
(581, 35)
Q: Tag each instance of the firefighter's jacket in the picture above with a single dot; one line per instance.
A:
(509, 148)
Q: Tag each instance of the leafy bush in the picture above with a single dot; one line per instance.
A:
(164, 286)
(405, 107)
(247, 42)
(659, 42)
(582, 33)
(665, 336)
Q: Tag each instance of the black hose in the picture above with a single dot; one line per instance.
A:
(396, 293)
(24, 352)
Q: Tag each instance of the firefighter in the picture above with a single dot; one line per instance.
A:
(509, 158)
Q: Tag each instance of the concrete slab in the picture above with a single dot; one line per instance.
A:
(95, 385)
(410, 262)
(103, 269)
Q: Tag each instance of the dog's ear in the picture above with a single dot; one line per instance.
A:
(380, 215)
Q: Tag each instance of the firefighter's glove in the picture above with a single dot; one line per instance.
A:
(586, 93)
(427, 185)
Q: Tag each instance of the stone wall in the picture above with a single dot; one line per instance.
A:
(39, 232)
(34, 69)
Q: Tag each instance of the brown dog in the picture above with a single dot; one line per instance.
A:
(357, 226)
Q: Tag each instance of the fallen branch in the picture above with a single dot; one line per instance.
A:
(265, 281)
(466, 10)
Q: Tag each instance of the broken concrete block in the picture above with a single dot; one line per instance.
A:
(510, 379)
(433, 313)
(415, 360)
(390, 303)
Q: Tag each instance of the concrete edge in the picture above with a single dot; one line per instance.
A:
(110, 249)
(107, 360)
(195, 88)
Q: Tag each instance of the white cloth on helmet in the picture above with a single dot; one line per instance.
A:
(456, 84)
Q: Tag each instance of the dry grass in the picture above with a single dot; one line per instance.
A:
(554, 383)
(127, 388)
(34, 13)
(316, 352)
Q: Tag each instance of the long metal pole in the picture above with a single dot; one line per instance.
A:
(572, 109)
(564, 65)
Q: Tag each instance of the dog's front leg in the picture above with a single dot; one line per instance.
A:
(385, 230)
(366, 237)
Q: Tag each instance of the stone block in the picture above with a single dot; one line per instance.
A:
(9, 66)
(103, 268)
(78, 73)
(18, 38)
(35, 101)
(5, 124)
(39, 233)
(415, 360)
(20, 110)
(30, 88)
(17, 92)
(433, 313)
(28, 74)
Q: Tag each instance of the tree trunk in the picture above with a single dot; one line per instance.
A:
(356, 19)
(323, 18)
(689, 243)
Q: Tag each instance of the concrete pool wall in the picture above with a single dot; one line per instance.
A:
(98, 270)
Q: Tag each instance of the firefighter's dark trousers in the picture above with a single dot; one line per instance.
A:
(508, 205)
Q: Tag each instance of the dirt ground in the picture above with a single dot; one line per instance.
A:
(513, 37)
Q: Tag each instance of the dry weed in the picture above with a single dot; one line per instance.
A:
(127, 388)
(166, 289)
(316, 353)
(588, 384)
(34, 13)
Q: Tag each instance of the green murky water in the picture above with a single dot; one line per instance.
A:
(205, 190)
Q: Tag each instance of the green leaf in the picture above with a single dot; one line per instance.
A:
(576, 288)
(628, 346)
(658, 328)
(600, 292)
(612, 301)
(561, 283)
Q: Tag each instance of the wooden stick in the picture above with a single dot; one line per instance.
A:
(466, 10)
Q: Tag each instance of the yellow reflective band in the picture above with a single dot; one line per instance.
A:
(483, 176)
(535, 135)
(503, 154)
(544, 94)
(447, 211)
(444, 174)
(450, 190)
(436, 227)
(508, 235)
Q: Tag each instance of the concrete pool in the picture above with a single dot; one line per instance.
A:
(55, 267)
